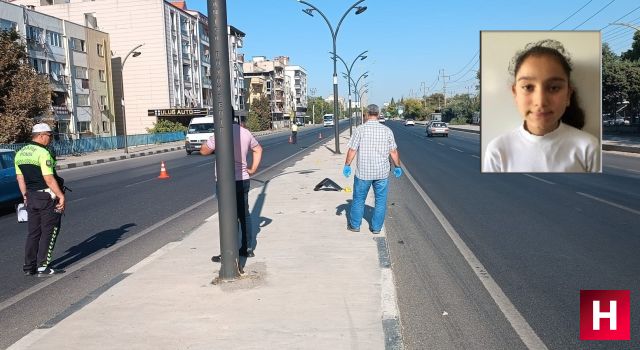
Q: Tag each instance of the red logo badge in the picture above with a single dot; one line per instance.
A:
(605, 315)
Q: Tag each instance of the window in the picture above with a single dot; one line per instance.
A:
(56, 68)
(54, 38)
(103, 103)
(83, 126)
(39, 65)
(102, 75)
(105, 126)
(7, 25)
(83, 99)
(77, 45)
(81, 72)
(100, 49)
(34, 34)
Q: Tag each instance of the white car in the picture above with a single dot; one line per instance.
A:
(409, 122)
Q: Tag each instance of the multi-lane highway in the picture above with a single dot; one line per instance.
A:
(541, 238)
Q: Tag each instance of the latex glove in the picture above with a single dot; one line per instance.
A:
(346, 171)
(397, 171)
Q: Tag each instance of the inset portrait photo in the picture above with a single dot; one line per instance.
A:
(541, 101)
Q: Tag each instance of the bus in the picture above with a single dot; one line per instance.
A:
(328, 120)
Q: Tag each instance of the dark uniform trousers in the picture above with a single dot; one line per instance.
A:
(43, 228)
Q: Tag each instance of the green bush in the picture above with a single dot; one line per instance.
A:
(458, 121)
(166, 126)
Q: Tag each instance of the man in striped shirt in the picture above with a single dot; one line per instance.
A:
(372, 144)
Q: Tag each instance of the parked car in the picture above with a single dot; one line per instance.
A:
(382, 119)
(409, 122)
(437, 128)
(9, 190)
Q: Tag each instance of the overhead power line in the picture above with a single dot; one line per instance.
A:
(600, 10)
(625, 15)
(583, 6)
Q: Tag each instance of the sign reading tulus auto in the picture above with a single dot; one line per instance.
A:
(177, 112)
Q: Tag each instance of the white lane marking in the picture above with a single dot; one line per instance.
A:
(539, 179)
(158, 253)
(474, 156)
(204, 164)
(81, 264)
(430, 140)
(140, 182)
(519, 324)
(441, 144)
(619, 206)
(389, 306)
(621, 168)
(77, 200)
(455, 149)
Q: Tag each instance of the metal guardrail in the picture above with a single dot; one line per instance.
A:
(93, 144)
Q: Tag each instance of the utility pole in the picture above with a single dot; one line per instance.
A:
(444, 86)
(223, 121)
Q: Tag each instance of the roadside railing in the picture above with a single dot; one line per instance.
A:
(99, 143)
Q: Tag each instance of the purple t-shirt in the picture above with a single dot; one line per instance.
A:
(243, 141)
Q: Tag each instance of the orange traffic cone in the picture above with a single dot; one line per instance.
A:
(163, 172)
(290, 139)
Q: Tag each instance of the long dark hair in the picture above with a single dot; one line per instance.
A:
(573, 114)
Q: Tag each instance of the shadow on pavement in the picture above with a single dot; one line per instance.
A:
(99, 241)
(344, 208)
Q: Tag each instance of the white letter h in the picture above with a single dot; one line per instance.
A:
(598, 315)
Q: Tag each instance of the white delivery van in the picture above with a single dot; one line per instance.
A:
(328, 120)
(200, 129)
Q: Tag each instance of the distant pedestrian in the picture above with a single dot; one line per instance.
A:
(243, 141)
(294, 132)
(42, 191)
(373, 143)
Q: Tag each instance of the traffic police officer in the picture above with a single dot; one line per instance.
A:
(42, 191)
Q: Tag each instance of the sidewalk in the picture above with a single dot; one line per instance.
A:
(312, 284)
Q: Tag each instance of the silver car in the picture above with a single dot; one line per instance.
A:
(437, 128)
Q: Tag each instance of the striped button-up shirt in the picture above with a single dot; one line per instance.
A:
(372, 141)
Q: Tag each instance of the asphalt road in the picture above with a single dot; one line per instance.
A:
(542, 238)
(118, 214)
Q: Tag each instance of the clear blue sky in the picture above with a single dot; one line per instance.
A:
(410, 41)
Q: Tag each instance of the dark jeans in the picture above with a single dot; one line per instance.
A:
(244, 217)
(43, 227)
(294, 137)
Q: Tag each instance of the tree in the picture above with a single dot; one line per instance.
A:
(392, 109)
(633, 54)
(259, 118)
(25, 96)
(164, 125)
(414, 109)
(614, 81)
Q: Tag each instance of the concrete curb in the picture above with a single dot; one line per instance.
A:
(628, 149)
(465, 130)
(113, 159)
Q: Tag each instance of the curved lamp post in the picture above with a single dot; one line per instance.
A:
(124, 119)
(360, 93)
(334, 35)
(355, 86)
(362, 57)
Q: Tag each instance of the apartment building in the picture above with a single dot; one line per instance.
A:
(77, 60)
(160, 57)
(297, 92)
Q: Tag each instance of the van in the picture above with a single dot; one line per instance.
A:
(328, 120)
(199, 131)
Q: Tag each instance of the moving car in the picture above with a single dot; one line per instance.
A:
(327, 120)
(382, 119)
(9, 190)
(409, 122)
(199, 131)
(437, 128)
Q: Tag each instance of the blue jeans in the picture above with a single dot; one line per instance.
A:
(360, 191)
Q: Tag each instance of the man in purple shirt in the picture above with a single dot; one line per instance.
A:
(243, 141)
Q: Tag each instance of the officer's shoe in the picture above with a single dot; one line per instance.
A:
(48, 272)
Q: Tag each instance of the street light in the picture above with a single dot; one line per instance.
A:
(124, 119)
(334, 35)
(360, 92)
(355, 85)
(362, 57)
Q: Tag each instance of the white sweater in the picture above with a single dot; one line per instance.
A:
(565, 149)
